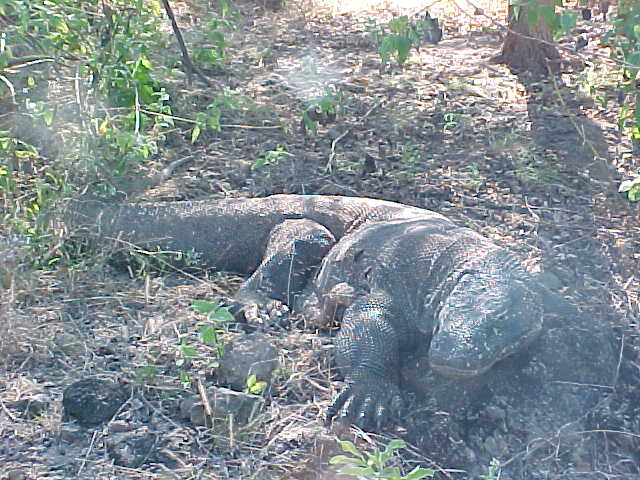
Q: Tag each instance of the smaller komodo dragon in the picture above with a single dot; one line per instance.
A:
(395, 276)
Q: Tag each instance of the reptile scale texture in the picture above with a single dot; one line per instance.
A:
(396, 277)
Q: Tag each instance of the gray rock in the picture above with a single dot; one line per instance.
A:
(133, 449)
(93, 401)
(251, 354)
(224, 403)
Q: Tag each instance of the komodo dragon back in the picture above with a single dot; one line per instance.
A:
(397, 277)
(228, 234)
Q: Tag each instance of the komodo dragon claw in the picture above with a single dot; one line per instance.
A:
(370, 410)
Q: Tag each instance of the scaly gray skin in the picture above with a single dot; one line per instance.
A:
(396, 276)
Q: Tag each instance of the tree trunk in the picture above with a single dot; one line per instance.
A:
(522, 54)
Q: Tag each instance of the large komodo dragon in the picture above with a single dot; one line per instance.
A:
(397, 277)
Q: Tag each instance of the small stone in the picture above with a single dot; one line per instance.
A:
(251, 354)
(16, 475)
(496, 446)
(73, 434)
(495, 413)
(186, 405)
(120, 427)
(224, 403)
(133, 449)
(33, 406)
(93, 401)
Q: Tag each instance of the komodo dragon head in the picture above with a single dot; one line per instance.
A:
(487, 316)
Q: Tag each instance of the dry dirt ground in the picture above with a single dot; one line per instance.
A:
(535, 167)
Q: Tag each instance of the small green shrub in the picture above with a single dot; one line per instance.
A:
(209, 334)
(225, 102)
(624, 42)
(401, 34)
(213, 56)
(254, 386)
(322, 110)
(271, 158)
(374, 465)
(624, 39)
(493, 471)
(216, 315)
(142, 262)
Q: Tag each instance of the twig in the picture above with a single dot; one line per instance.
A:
(183, 48)
(9, 85)
(76, 90)
(16, 64)
(615, 379)
(222, 125)
(205, 402)
(89, 450)
(7, 412)
(332, 155)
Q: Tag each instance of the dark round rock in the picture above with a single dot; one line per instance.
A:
(93, 401)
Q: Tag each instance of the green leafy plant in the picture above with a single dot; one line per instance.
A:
(398, 43)
(410, 155)
(26, 198)
(216, 315)
(110, 44)
(493, 471)
(146, 374)
(185, 354)
(450, 121)
(121, 110)
(533, 167)
(374, 465)
(476, 180)
(213, 56)
(226, 10)
(401, 34)
(322, 110)
(142, 261)
(209, 334)
(624, 39)
(225, 101)
(254, 386)
(631, 188)
(270, 158)
(560, 21)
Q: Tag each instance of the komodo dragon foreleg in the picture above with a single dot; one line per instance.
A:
(295, 248)
(368, 348)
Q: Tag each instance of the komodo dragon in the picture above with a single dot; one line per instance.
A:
(396, 277)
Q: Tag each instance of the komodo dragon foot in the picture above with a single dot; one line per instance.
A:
(295, 249)
(369, 404)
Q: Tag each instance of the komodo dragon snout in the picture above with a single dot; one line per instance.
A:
(486, 318)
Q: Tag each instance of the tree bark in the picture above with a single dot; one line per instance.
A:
(529, 48)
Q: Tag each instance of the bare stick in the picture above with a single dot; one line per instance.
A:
(183, 48)
(208, 413)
